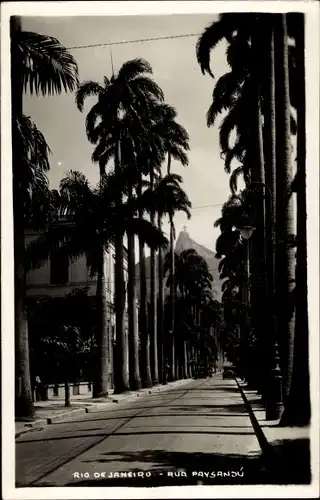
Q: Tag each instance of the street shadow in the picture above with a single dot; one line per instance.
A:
(171, 468)
(292, 458)
(174, 426)
(222, 388)
(290, 465)
(246, 469)
(231, 408)
(206, 389)
(144, 416)
(138, 433)
(199, 432)
(166, 469)
(57, 407)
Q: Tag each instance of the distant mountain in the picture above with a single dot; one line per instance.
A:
(184, 242)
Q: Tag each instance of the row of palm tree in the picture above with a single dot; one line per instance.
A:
(131, 124)
(198, 319)
(262, 99)
(136, 132)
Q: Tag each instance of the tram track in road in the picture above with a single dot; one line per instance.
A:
(58, 463)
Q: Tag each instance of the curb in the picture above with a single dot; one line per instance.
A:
(133, 396)
(263, 442)
(24, 431)
(268, 453)
(65, 416)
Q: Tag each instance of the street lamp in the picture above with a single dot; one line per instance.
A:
(246, 232)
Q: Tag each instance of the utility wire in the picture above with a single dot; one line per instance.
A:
(141, 40)
(207, 206)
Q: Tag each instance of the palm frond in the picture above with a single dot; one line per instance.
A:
(87, 89)
(94, 130)
(239, 53)
(133, 68)
(211, 36)
(145, 88)
(33, 143)
(229, 123)
(212, 114)
(233, 181)
(106, 143)
(148, 233)
(179, 155)
(48, 67)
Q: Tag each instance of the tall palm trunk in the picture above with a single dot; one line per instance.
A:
(184, 359)
(101, 384)
(189, 357)
(24, 403)
(66, 393)
(171, 339)
(153, 300)
(134, 371)
(285, 264)
(258, 273)
(297, 411)
(161, 307)
(177, 357)
(121, 379)
(184, 352)
(271, 184)
(143, 313)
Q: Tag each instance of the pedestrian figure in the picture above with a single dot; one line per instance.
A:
(166, 371)
(38, 388)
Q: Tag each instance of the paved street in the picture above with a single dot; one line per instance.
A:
(199, 433)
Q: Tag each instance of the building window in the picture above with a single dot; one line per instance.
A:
(59, 269)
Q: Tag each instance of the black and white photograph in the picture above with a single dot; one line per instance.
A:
(160, 200)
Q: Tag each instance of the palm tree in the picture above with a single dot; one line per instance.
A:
(297, 410)
(30, 195)
(192, 281)
(42, 65)
(153, 298)
(65, 347)
(132, 173)
(239, 91)
(93, 223)
(269, 139)
(161, 133)
(285, 265)
(175, 142)
(229, 94)
(143, 309)
(168, 197)
(85, 209)
(124, 95)
(233, 270)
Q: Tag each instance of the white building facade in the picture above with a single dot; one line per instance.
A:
(58, 278)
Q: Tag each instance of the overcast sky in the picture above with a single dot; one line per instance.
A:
(175, 69)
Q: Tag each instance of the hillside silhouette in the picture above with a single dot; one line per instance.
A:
(184, 242)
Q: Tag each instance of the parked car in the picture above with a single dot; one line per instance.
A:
(228, 372)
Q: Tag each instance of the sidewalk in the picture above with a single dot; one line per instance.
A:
(287, 448)
(54, 410)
